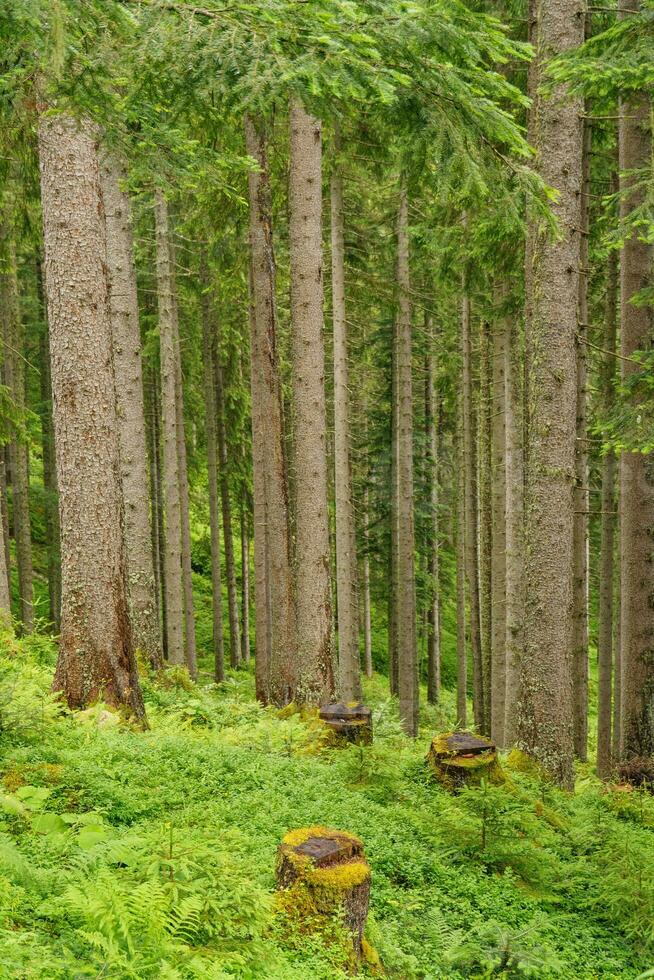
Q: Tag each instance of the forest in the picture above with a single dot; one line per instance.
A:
(326, 489)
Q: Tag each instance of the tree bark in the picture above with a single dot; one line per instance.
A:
(485, 466)
(276, 637)
(4, 510)
(126, 336)
(174, 602)
(545, 724)
(315, 680)
(367, 623)
(226, 503)
(461, 649)
(432, 414)
(245, 580)
(96, 657)
(407, 653)
(514, 528)
(500, 329)
(393, 587)
(636, 469)
(346, 558)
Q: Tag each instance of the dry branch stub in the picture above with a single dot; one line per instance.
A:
(322, 873)
(459, 759)
(348, 723)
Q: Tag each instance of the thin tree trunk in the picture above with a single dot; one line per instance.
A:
(636, 469)
(174, 603)
(432, 412)
(276, 638)
(367, 624)
(393, 588)
(616, 734)
(245, 580)
(461, 649)
(315, 681)
(500, 329)
(346, 559)
(126, 336)
(96, 657)
(226, 503)
(545, 723)
(513, 528)
(49, 468)
(156, 492)
(607, 545)
(485, 465)
(4, 510)
(407, 653)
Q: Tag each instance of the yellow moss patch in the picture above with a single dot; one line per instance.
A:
(288, 711)
(372, 958)
(13, 779)
(339, 877)
(520, 761)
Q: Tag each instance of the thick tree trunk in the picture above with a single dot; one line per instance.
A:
(208, 342)
(96, 657)
(407, 653)
(500, 330)
(12, 335)
(636, 469)
(346, 558)
(469, 429)
(174, 603)
(226, 504)
(514, 528)
(126, 336)
(607, 544)
(461, 648)
(432, 412)
(315, 681)
(276, 638)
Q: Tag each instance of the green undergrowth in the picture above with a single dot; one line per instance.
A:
(130, 854)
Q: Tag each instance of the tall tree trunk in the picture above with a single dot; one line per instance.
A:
(4, 510)
(96, 657)
(367, 623)
(174, 603)
(276, 638)
(226, 503)
(461, 649)
(51, 508)
(407, 653)
(616, 733)
(346, 558)
(12, 335)
(469, 428)
(156, 498)
(315, 682)
(126, 336)
(636, 469)
(485, 465)
(514, 527)
(607, 544)
(546, 729)
(581, 506)
(393, 587)
(245, 579)
(500, 329)
(208, 343)
(432, 413)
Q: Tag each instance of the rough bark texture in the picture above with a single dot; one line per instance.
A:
(607, 543)
(636, 470)
(174, 604)
(346, 559)
(315, 681)
(514, 527)
(96, 657)
(126, 336)
(226, 504)
(276, 640)
(461, 651)
(432, 414)
(407, 652)
(500, 330)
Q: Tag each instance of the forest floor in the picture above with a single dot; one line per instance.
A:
(133, 854)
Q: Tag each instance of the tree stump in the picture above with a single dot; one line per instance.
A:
(348, 723)
(459, 759)
(321, 872)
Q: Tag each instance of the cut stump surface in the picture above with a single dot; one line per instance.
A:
(459, 759)
(348, 723)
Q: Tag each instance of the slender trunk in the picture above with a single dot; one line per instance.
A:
(485, 443)
(545, 723)
(96, 657)
(315, 682)
(461, 649)
(616, 734)
(49, 469)
(607, 545)
(126, 336)
(150, 409)
(407, 654)
(346, 558)
(367, 625)
(226, 503)
(174, 603)
(276, 638)
(393, 588)
(432, 412)
(471, 522)
(513, 528)
(581, 505)
(500, 330)
(4, 511)
(245, 580)
(636, 469)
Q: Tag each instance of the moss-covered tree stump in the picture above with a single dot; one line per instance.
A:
(321, 873)
(459, 759)
(348, 723)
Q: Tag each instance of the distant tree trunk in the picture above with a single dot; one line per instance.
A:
(4, 510)
(12, 334)
(174, 601)
(546, 729)
(226, 503)
(96, 657)
(514, 527)
(367, 624)
(407, 659)
(500, 330)
(581, 506)
(315, 681)
(346, 558)
(156, 497)
(636, 469)
(469, 429)
(126, 335)
(5, 603)
(276, 638)
(433, 612)
(616, 734)
(245, 580)
(461, 649)
(208, 342)
(607, 545)
(485, 465)
(393, 588)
